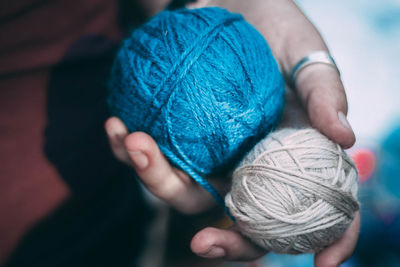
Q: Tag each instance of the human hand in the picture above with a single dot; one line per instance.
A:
(291, 37)
(231, 245)
(176, 188)
(165, 182)
(320, 92)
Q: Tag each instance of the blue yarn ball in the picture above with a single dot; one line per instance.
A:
(203, 83)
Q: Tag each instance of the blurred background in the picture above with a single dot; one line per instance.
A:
(364, 38)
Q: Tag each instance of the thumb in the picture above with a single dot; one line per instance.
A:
(227, 244)
(322, 93)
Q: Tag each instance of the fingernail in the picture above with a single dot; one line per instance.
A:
(115, 132)
(344, 120)
(140, 160)
(215, 252)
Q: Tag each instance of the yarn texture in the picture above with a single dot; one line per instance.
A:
(295, 192)
(203, 83)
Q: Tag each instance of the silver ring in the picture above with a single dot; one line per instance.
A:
(317, 57)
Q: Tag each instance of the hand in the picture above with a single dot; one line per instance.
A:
(320, 91)
(177, 189)
(291, 37)
(167, 183)
(231, 245)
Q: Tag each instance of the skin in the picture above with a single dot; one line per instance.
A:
(319, 91)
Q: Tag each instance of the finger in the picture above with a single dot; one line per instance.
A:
(116, 133)
(294, 114)
(225, 244)
(322, 93)
(342, 249)
(161, 179)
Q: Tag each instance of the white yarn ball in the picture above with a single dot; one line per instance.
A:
(295, 192)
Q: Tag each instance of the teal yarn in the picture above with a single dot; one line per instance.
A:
(203, 83)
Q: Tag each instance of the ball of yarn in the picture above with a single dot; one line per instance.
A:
(295, 192)
(203, 83)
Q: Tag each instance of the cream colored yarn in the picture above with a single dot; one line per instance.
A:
(295, 192)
